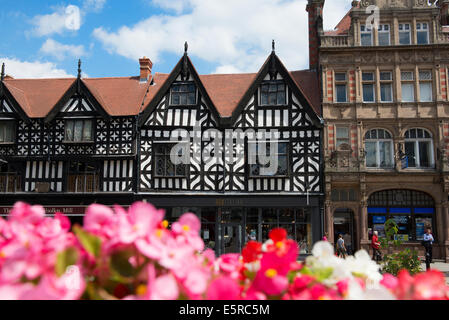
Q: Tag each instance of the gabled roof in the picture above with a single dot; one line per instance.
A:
(127, 96)
(38, 96)
(184, 65)
(296, 83)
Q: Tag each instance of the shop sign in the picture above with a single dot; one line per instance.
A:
(76, 210)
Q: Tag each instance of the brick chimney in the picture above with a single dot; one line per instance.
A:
(315, 10)
(444, 12)
(145, 69)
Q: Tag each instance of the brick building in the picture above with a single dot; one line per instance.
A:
(386, 110)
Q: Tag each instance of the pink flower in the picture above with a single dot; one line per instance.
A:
(430, 285)
(389, 281)
(100, 220)
(164, 287)
(188, 228)
(223, 288)
(14, 292)
(142, 219)
(230, 264)
(26, 214)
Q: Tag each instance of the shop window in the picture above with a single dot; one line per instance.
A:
(83, 177)
(422, 32)
(368, 87)
(272, 93)
(384, 34)
(408, 86)
(404, 33)
(183, 94)
(419, 148)
(79, 130)
(366, 35)
(10, 179)
(413, 211)
(281, 155)
(379, 149)
(7, 132)
(164, 167)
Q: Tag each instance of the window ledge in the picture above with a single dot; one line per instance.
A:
(78, 142)
(7, 143)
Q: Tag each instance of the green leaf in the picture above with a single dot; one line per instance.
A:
(90, 243)
(120, 263)
(65, 259)
(324, 273)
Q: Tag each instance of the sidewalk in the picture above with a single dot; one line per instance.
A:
(443, 267)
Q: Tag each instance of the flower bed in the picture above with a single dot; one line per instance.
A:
(134, 255)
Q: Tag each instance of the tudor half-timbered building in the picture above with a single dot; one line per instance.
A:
(220, 119)
(67, 143)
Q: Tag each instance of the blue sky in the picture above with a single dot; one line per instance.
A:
(45, 38)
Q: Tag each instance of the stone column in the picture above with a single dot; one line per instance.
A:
(446, 229)
(364, 220)
(440, 224)
(329, 222)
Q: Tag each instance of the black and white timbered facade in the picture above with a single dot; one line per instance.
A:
(81, 151)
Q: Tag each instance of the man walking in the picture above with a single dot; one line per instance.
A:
(427, 242)
(341, 249)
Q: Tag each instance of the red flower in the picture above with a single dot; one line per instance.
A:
(278, 235)
(251, 251)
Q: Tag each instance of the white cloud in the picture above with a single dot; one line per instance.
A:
(61, 51)
(94, 5)
(63, 19)
(234, 34)
(32, 69)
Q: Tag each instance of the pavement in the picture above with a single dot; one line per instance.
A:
(439, 265)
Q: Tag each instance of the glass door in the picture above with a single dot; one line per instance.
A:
(232, 238)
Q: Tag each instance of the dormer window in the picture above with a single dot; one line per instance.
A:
(7, 132)
(183, 94)
(272, 93)
(79, 131)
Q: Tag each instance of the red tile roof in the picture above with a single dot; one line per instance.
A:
(342, 27)
(124, 96)
(37, 97)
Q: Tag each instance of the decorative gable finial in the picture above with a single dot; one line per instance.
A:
(3, 72)
(273, 45)
(185, 74)
(272, 68)
(79, 69)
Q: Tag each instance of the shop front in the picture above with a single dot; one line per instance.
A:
(413, 211)
(228, 224)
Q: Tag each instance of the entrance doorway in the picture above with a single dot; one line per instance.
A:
(232, 235)
(344, 225)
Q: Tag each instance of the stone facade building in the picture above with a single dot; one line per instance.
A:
(384, 78)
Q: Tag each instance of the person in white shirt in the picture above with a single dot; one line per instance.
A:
(427, 242)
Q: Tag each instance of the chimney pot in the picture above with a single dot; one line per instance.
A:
(145, 69)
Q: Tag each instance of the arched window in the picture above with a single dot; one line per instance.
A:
(419, 148)
(379, 149)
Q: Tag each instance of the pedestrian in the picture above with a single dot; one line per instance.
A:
(324, 237)
(341, 249)
(375, 244)
(427, 243)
